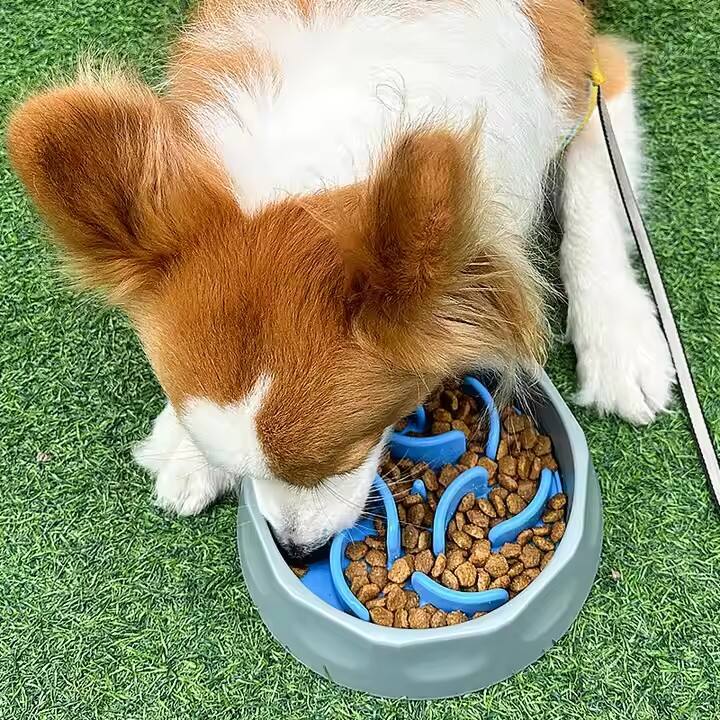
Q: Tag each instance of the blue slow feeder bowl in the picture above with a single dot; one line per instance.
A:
(318, 620)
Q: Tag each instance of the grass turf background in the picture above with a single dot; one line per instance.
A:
(110, 609)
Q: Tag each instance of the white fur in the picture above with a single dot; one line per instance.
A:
(303, 518)
(366, 69)
(185, 483)
(623, 362)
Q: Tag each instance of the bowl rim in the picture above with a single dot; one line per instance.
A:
(489, 624)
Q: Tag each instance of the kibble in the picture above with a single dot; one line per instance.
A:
(410, 500)
(467, 502)
(439, 619)
(368, 592)
(530, 556)
(395, 598)
(500, 492)
(375, 543)
(480, 552)
(449, 580)
(498, 504)
(552, 516)
(524, 537)
(516, 569)
(424, 562)
(447, 475)
(497, 565)
(455, 558)
(508, 483)
(357, 567)
(379, 576)
(486, 507)
(358, 581)
(519, 583)
(439, 566)
(375, 602)
(478, 518)
(536, 468)
(424, 540)
(456, 617)
(462, 539)
(469, 459)
(430, 480)
(528, 438)
(418, 618)
(400, 570)
(410, 537)
(523, 466)
(507, 465)
(502, 583)
(382, 616)
(416, 516)
(466, 574)
(412, 599)
(502, 449)
(557, 502)
(532, 573)
(483, 580)
(356, 551)
(474, 531)
(510, 550)
(376, 558)
(557, 531)
(515, 504)
(544, 544)
(469, 563)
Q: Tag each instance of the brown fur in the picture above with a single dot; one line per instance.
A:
(566, 36)
(111, 168)
(356, 302)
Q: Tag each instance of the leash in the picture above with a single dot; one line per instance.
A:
(688, 390)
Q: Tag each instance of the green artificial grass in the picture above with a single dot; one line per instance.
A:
(109, 609)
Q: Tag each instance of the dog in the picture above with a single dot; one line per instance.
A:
(332, 207)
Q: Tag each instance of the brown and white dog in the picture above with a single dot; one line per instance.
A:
(329, 210)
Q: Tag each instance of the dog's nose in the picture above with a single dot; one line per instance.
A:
(295, 552)
(304, 553)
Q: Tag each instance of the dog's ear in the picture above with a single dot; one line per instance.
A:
(428, 272)
(111, 169)
(409, 230)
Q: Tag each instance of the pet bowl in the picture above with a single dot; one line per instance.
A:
(323, 625)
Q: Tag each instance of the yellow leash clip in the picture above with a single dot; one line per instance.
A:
(597, 78)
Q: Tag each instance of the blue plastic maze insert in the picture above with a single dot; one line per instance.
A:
(468, 510)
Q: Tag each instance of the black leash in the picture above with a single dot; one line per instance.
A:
(688, 390)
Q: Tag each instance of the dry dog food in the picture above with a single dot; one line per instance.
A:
(468, 563)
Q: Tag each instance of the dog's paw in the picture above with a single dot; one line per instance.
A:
(623, 361)
(186, 484)
(157, 449)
